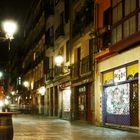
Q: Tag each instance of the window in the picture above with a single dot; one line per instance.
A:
(117, 10)
(117, 34)
(114, 36)
(139, 21)
(132, 25)
(67, 10)
(67, 50)
(126, 28)
(130, 6)
(129, 26)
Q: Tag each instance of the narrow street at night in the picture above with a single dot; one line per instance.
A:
(27, 127)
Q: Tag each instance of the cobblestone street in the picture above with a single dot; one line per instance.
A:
(27, 127)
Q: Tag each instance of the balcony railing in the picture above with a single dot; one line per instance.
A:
(49, 9)
(58, 71)
(39, 82)
(59, 32)
(49, 39)
(49, 74)
(86, 64)
(83, 18)
(81, 68)
(75, 70)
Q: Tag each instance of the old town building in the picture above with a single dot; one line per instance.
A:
(82, 60)
(117, 63)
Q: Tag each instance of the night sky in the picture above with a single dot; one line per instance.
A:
(17, 11)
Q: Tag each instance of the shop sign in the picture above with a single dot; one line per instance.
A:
(82, 89)
(120, 75)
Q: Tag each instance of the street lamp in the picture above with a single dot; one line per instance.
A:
(59, 60)
(1, 74)
(26, 84)
(42, 90)
(9, 28)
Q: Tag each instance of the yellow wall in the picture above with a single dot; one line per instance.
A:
(117, 60)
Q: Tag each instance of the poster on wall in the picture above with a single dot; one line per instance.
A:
(120, 75)
(118, 99)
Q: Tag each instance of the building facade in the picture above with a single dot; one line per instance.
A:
(33, 58)
(58, 83)
(117, 63)
(82, 22)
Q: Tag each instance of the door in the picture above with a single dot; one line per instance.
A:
(134, 104)
(82, 106)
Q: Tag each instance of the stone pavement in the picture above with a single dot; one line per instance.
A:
(27, 127)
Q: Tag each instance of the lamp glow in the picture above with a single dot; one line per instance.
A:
(1, 74)
(59, 60)
(42, 90)
(26, 84)
(10, 28)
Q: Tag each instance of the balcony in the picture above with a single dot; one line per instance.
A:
(49, 74)
(39, 82)
(49, 9)
(75, 70)
(58, 71)
(83, 19)
(56, 2)
(86, 65)
(59, 33)
(49, 39)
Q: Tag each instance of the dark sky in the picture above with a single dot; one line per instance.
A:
(15, 10)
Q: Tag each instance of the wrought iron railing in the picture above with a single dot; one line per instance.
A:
(49, 74)
(86, 65)
(58, 71)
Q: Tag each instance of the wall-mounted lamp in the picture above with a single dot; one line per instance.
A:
(26, 84)
(42, 90)
(59, 60)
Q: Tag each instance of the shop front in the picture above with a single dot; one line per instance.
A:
(117, 90)
(65, 100)
(120, 95)
(83, 103)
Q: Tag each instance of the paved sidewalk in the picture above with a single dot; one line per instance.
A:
(27, 127)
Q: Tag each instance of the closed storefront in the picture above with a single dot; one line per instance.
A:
(120, 95)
